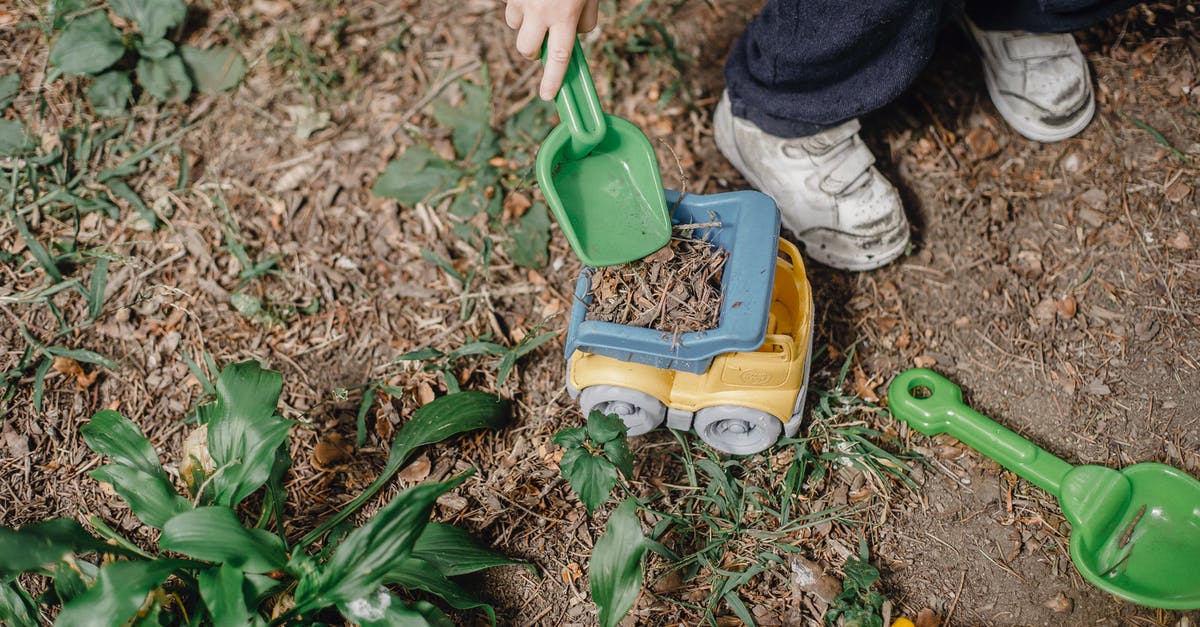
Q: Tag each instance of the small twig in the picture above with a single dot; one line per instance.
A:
(950, 614)
(437, 89)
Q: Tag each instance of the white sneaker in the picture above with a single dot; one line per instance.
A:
(1038, 81)
(828, 191)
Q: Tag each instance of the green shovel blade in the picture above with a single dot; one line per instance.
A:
(600, 177)
(1135, 532)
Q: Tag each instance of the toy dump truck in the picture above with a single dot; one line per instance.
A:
(740, 385)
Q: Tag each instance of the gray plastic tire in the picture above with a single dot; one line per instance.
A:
(639, 411)
(737, 430)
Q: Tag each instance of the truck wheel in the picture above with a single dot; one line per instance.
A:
(737, 430)
(639, 411)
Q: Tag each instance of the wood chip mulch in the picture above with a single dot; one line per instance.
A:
(676, 290)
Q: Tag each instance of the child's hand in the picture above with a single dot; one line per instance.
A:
(562, 18)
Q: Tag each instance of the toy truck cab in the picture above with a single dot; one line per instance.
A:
(740, 385)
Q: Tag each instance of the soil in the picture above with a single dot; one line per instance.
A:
(1057, 283)
(676, 289)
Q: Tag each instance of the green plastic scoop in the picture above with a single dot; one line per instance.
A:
(600, 177)
(1136, 532)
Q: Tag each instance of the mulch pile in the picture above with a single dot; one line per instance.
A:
(676, 290)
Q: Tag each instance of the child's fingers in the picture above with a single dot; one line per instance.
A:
(558, 54)
(513, 15)
(587, 19)
(530, 37)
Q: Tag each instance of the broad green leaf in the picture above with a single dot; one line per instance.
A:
(383, 609)
(223, 589)
(415, 176)
(96, 288)
(157, 49)
(82, 354)
(443, 417)
(165, 79)
(480, 193)
(615, 570)
(529, 238)
(469, 122)
(244, 432)
(119, 591)
(68, 581)
(17, 608)
(153, 17)
(617, 451)
(454, 552)
(360, 563)
(40, 545)
(15, 139)
(413, 573)
(591, 476)
(88, 45)
(151, 497)
(57, 11)
(118, 438)
(570, 438)
(214, 70)
(9, 84)
(603, 427)
(214, 534)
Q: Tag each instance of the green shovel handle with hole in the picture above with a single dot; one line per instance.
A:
(933, 404)
(579, 106)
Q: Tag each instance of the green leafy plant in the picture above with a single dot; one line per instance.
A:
(91, 45)
(731, 522)
(859, 605)
(592, 455)
(487, 166)
(233, 573)
(444, 362)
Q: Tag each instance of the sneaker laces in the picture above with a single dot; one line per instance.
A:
(840, 156)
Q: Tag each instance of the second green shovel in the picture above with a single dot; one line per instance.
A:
(600, 177)
(1135, 532)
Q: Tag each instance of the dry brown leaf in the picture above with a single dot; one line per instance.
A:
(18, 443)
(1060, 604)
(416, 471)
(571, 572)
(928, 618)
(330, 451)
(515, 205)
(1178, 191)
(982, 143)
(924, 361)
(1180, 241)
(425, 393)
(1067, 306)
(810, 577)
(67, 366)
(864, 387)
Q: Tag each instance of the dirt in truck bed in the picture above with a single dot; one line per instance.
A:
(676, 289)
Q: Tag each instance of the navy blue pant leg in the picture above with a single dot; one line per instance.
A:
(805, 65)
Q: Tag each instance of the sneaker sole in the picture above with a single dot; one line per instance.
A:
(1044, 134)
(854, 263)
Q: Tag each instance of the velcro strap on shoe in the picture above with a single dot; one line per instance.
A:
(827, 139)
(857, 160)
(1039, 46)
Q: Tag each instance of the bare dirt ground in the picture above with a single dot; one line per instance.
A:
(1058, 284)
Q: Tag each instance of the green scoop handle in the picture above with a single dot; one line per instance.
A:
(932, 404)
(579, 107)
